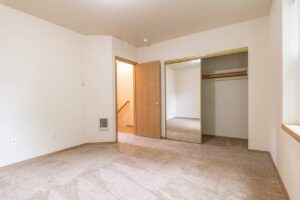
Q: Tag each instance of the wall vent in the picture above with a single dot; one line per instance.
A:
(103, 124)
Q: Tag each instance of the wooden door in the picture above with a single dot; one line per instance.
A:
(148, 99)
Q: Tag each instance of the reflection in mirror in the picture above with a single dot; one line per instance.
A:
(183, 110)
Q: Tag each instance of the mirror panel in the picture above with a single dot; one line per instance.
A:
(183, 101)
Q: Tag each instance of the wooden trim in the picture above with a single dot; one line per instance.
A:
(123, 106)
(226, 52)
(117, 58)
(257, 151)
(134, 100)
(97, 143)
(209, 55)
(225, 75)
(116, 98)
(291, 132)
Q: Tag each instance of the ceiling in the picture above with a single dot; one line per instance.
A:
(134, 20)
(185, 65)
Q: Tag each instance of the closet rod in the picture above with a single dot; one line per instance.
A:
(225, 75)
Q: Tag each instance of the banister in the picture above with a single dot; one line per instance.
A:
(123, 106)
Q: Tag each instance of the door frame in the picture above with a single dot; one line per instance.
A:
(185, 59)
(117, 58)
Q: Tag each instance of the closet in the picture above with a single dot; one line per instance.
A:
(224, 98)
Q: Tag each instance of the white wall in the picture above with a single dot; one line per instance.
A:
(171, 93)
(125, 76)
(188, 89)
(99, 95)
(44, 106)
(40, 85)
(231, 108)
(284, 149)
(225, 107)
(99, 73)
(251, 34)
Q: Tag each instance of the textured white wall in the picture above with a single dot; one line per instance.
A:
(252, 34)
(99, 72)
(225, 107)
(44, 107)
(40, 84)
(99, 91)
(285, 150)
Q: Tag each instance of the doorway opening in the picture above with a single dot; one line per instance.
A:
(138, 98)
(125, 96)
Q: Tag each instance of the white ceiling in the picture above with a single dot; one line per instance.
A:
(134, 20)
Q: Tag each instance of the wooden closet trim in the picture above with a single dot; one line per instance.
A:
(209, 55)
(225, 75)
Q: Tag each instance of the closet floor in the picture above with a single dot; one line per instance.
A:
(225, 141)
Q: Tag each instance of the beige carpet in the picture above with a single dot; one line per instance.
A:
(184, 129)
(144, 169)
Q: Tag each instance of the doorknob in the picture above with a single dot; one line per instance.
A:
(157, 103)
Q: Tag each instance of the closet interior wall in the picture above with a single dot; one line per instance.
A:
(225, 99)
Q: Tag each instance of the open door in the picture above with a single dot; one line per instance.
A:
(148, 99)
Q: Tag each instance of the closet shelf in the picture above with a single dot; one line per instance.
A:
(225, 75)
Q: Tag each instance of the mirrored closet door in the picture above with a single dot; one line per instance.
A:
(183, 101)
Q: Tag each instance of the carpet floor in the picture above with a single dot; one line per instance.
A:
(144, 169)
(184, 129)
